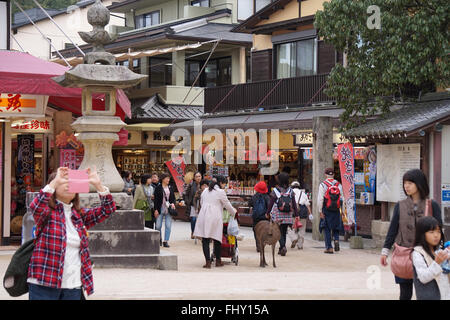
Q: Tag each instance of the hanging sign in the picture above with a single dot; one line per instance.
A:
(347, 166)
(44, 125)
(17, 104)
(176, 169)
(25, 157)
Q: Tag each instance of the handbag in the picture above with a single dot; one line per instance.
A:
(144, 206)
(297, 224)
(173, 212)
(302, 208)
(16, 275)
(401, 262)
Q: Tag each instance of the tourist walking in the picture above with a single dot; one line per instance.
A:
(188, 197)
(129, 186)
(259, 203)
(282, 208)
(143, 200)
(304, 210)
(329, 201)
(402, 228)
(430, 281)
(164, 197)
(210, 222)
(60, 266)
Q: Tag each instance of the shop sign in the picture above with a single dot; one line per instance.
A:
(305, 138)
(16, 104)
(33, 126)
(155, 138)
(25, 157)
(71, 150)
(445, 194)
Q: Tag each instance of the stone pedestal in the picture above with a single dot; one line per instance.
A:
(356, 242)
(379, 232)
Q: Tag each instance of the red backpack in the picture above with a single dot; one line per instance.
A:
(332, 198)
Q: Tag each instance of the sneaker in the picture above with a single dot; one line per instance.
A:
(336, 246)
(166, 244)
(283, 252)
(293, 244)
(330, 250)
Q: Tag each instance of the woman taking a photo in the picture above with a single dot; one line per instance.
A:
(402, 228)
(164, 197)
(210, 218)
(60, 266)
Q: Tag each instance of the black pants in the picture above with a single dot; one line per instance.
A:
(406, 291)
(217, 248)
(150, 224)
(283, 230)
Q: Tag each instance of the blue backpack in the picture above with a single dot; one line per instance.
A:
(259, 208)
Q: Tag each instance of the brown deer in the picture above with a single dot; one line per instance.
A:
(267, 232)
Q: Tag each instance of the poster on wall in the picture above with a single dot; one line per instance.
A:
(347, 165)
(393, 160)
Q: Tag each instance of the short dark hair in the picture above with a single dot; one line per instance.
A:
(155, 174)
(217, 180)
(125, 174)
(144, 178)
(283, 179)
(205, 181)
(163, 176)
(417, 177)
(424, 225)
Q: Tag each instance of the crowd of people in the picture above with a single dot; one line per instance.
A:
(60, 265)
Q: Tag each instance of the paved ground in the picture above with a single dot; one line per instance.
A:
(301, 274)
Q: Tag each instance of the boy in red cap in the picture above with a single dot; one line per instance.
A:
(259, 202)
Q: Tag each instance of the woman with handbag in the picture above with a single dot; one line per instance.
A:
(402, 228)
(164, 208)
(210, 218)
(60, 266)
(143, 200)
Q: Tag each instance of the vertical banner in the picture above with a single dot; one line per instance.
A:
(347, 165)
(25, 157)
(176, 168)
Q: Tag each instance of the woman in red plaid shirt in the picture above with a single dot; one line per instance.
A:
(60, 266)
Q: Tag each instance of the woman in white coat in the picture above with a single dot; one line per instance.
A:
(209, 223)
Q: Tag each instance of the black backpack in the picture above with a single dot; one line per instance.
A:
(284, 201)
(259, 207)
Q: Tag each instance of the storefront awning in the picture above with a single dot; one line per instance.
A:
(408, 119)
(22, 73)
(300, 118)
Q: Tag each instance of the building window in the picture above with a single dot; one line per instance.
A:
(246, 8)
(216, 73)
(296, 59)
(136, 64)
(148, 19)
(160, 73)
(200, 3)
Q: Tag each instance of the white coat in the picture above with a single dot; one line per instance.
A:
(209, 222)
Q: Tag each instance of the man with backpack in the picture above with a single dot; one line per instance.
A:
(259, 202)
(329, 201)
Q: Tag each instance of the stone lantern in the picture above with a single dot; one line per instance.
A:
(99, 76)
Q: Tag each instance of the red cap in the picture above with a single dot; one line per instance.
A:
(261, 187)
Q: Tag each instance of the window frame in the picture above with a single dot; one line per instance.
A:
(144, 19)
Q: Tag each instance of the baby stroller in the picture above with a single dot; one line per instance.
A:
(229, 247)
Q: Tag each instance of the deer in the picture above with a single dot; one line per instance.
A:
(267, 233)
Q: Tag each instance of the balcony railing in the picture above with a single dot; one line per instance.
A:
(271, 94)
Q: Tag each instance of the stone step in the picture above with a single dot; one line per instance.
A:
(161, 261)
(123, 201)
(124, 242)
(123, 219)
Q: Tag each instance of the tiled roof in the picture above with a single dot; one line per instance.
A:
(407, 119)
(155, 109)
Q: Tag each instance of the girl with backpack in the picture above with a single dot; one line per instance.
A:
(282, 208)
(259, 202)
(430, 282)
(301, 199)
(402, 228)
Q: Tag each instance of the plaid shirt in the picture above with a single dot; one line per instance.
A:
(47, 261)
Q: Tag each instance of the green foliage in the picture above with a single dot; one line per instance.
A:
(406, 57)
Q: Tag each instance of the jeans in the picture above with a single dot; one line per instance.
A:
(328, 237)
(193, 221)
(217, 248)
(406, 291)
(168, 224)
(37, 292)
